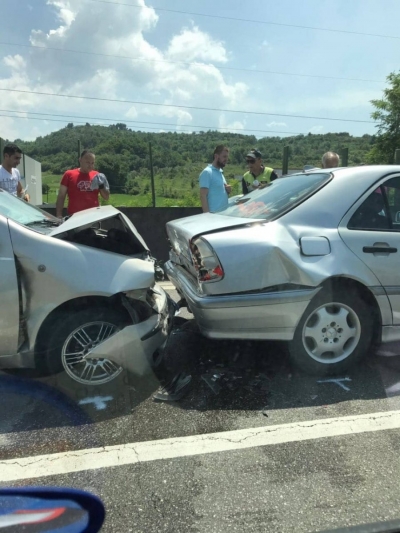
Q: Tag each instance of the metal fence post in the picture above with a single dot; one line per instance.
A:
(344, 154)
(285, 161)
(397, 156)
(153, 192)
(79, 151)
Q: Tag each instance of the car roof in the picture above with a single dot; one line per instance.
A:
(328, 205)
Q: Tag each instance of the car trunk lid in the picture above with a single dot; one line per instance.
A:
(183, 230)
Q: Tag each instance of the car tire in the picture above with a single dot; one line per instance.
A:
(334, 333)
(72, 336)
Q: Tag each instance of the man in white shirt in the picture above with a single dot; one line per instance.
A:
(10, 178)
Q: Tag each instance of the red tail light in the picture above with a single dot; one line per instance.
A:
(205, 261)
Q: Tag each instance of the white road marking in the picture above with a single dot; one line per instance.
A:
(100, 402)
(338, 381)
(132, 453)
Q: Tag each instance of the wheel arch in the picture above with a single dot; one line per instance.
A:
(72, 306)
(337, 283)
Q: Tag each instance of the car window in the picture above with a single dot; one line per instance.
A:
(381, 210)
(277, 197)
(19, 210)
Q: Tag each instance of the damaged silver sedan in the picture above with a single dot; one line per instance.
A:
(80, 296)
(312, 259)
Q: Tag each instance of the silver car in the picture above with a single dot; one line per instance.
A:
(313, 259)
(80, 296)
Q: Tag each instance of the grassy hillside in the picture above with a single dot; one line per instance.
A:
(178, 158)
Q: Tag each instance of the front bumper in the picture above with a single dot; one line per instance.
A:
(135, 347)
(264, 315)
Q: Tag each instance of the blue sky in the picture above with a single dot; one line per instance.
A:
(186, 61)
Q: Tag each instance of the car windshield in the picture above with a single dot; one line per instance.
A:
(22, 212)
(277, 197)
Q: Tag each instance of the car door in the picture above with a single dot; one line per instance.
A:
(9, 295)
(371, 230)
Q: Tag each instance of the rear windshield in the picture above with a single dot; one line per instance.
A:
(278, 197)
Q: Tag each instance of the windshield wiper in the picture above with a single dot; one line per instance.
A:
(241, 201)
(43, 222)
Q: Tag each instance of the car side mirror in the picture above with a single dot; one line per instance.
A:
(38, 509)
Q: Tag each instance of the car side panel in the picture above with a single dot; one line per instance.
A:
(9, 296)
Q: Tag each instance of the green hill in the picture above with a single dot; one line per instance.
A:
(178, 158)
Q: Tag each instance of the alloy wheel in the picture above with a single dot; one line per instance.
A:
(75, 354)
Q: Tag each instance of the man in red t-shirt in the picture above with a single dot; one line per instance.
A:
(82, 190)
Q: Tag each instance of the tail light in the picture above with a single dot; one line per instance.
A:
(205, 261)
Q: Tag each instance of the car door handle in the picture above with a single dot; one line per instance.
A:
(379, 249)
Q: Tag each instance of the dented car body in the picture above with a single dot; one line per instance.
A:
(311, 259)
(78, 296)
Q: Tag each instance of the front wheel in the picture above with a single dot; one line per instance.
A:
(334, 333)
(72, 339)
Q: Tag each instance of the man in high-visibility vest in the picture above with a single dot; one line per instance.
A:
(258, 175)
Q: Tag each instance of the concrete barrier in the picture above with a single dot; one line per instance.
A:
(150, 223)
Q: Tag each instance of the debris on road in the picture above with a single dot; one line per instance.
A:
(234, 373)
(211, 381)
(175, 389)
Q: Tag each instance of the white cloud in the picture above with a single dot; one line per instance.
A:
(339, 100)
(131, 113)
(265, 46)
(191, 45)
(274, 124)
(9, 128)
(15, 63)
(104, 30)
(181, 116)
(224, 124)
(317, 129)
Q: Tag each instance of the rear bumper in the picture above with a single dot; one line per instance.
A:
(268, 315)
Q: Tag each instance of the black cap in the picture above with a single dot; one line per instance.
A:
(254, 154)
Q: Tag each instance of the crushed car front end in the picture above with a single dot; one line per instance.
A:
(86, 296)
(138, 346)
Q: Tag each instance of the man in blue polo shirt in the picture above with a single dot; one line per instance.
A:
(214, 190)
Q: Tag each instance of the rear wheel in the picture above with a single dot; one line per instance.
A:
(71, 340)
(333, 334)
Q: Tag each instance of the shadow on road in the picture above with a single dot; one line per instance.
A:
(241, 375)
(226, 376)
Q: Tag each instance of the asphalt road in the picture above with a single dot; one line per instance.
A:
(302, 453)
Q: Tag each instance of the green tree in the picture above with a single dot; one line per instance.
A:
(387, 114)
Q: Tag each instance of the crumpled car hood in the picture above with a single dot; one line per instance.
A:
(90, 216)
